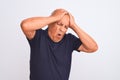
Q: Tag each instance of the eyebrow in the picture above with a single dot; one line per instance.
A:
(62, 24)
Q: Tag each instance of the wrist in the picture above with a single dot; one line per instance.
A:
(53, 19)
(74, 26)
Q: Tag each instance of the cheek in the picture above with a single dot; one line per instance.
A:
(55, 30)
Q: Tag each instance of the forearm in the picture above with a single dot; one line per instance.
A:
(35, 23)
(86, 39)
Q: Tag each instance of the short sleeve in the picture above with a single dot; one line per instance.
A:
(36, 37)
(76, 42)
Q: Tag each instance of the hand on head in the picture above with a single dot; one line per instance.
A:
(71, 21)
(60, 13)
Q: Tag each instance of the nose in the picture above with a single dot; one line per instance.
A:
(62, 29)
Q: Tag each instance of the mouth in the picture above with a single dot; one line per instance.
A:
(59, 34)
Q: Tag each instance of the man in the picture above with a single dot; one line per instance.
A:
(51, 49)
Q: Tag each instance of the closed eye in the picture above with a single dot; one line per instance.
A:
(60, 24)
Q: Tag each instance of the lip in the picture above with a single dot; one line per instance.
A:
(59, 34)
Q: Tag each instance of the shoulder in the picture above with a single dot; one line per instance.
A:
(70, 36)
(38, 34)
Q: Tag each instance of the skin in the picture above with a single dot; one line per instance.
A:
(88, 43)
(58, 23)
(58, 29)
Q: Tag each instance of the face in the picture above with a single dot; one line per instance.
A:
(58, 29)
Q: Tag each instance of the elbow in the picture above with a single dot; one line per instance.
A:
(24, 24)
(93, 49)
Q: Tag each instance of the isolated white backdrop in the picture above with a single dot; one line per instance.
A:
(99, 18)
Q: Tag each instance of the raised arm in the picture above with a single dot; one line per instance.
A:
(88, 43)
(30, 25)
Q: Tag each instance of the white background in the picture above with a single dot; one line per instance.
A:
(99, 18)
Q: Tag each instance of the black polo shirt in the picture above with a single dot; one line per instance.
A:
(51, 60)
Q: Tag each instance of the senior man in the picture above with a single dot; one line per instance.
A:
(51, 49)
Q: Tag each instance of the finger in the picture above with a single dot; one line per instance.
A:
(70, 14)
(65, 12)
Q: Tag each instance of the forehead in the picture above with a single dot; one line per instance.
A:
(65, 20)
